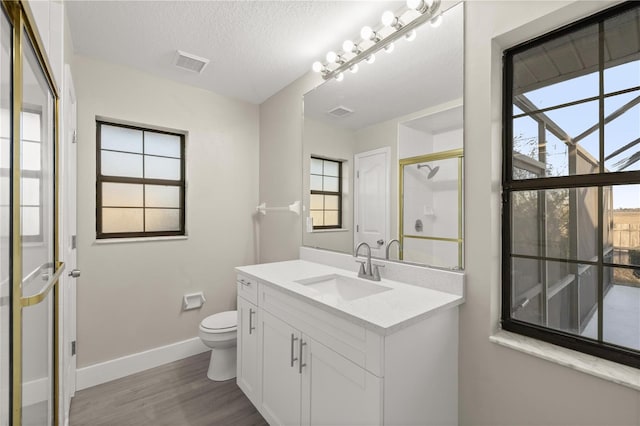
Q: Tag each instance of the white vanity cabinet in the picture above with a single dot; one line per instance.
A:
(319, 366)
(304, 382)
(248, 342)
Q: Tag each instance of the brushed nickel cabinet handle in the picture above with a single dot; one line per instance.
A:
(251, 326)
(300, 364)
(293, 340)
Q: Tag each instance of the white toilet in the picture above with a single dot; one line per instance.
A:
(219, 333)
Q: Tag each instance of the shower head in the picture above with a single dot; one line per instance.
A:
(432, 170)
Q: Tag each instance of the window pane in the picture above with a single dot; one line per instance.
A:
(316, 202)
(331, 202)
(31, 156)
(162, 144)
(558, 295)
(31, 126)
(161, 168)
(316, 183)
(30, 192)
(622, 134)
(622, 209)
(623, 44)
(5, 184)
(331, 168)
(30, 221)
(316, 166)
(330, 218)
(621, 316)
(120, 139)
(331, 184)
(317, 217)
(121, 195)
(121, 220)
(560, 223)
(555, 72)
(119, 164)
(5, 153)
(162, 196)
(162, 220)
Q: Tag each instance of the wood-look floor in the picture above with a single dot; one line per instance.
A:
(176, 394)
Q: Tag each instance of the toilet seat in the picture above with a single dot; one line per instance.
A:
(221, 322)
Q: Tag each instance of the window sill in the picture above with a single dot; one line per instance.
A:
(323, 231)
(602, 368)
(139, 240)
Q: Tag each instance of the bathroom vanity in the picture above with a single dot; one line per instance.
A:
(319, 346)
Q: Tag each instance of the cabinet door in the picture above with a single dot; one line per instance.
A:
(335, 391)
(280, 396)
(247, 351)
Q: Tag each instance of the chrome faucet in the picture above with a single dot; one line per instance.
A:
(389, 248)
(368, 271)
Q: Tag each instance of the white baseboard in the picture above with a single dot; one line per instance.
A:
(103, 372)
(36, 391)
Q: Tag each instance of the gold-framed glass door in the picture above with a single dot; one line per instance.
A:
(431, 209)
(29, 106)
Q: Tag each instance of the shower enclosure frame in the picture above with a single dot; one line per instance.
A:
(442, 155)
(23, 26)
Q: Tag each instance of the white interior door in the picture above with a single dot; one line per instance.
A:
(68, 204)
(371, 200)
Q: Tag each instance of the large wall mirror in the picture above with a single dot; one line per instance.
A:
(383, 152)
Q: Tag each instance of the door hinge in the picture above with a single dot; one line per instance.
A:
(357, 228)
(74, 242)
(74, 139)
(358, 174)
(73, 348)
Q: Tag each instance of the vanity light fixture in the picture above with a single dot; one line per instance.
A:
(394, 28)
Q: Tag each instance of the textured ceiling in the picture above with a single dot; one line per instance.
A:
(256, 47)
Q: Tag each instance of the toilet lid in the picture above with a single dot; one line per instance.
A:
(221, 320)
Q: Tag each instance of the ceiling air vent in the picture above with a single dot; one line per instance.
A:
(191, 62)
(340, 111)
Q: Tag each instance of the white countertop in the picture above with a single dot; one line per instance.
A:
(383, 313)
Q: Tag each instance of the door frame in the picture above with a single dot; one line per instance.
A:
(356, 191)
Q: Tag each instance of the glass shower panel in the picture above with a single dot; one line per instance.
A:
(5, 211)
(37, 254)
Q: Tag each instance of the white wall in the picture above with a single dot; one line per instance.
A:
(281, 126)
(130, 294)
(498, 386)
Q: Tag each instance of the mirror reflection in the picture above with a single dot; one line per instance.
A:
(383, 152)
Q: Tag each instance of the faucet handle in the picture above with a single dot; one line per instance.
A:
(376, 271)
(362, 272)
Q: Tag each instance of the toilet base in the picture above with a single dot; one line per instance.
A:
(222, 365)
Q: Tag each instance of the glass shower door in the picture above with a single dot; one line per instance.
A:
(37, 232)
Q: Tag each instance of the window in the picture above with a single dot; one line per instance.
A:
(32, 181)
(571, 186)
(140, 182)
(326, 193)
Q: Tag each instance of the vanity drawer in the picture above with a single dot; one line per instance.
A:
(247, 288)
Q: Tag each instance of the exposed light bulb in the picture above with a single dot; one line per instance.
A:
(332, 56)
(348, 46)
(420, 5)
(354, 68)
(411, 35)
(389, 47)
(370, 59)
(339, 76)
(435, 22)
(367, 33)
(387, 18)
(317, 66)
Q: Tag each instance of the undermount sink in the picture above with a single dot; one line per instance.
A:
(342, 288)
